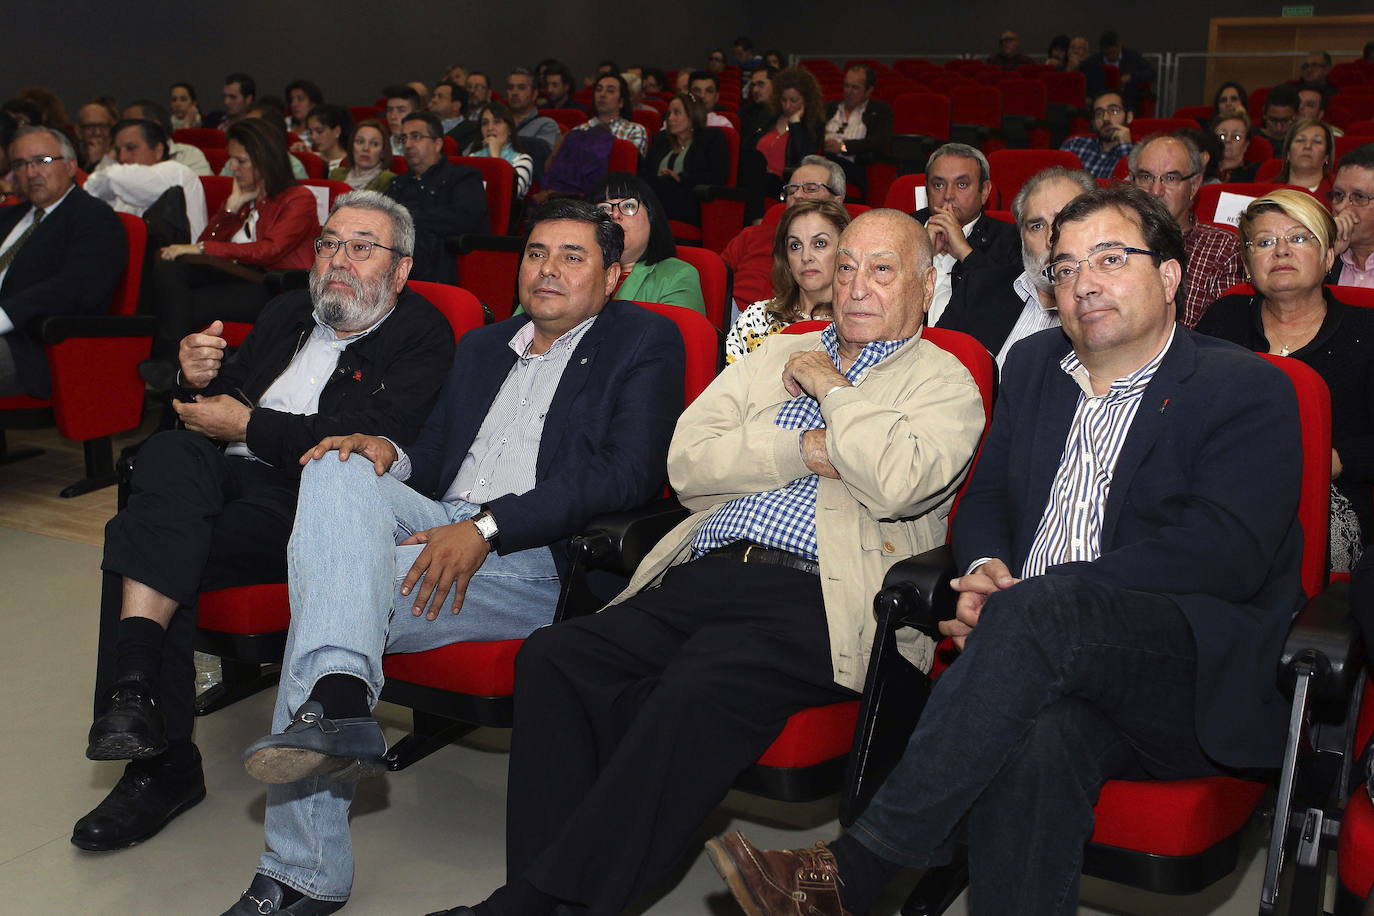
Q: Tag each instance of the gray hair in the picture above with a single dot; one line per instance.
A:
(1195, 165)
(1054, 173)
(402, 224)
(68, 151)
(836, 182)
(963, 151)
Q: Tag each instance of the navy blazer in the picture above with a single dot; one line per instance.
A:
(1202, 510)
(69, 266)
(604, 446)
(985, 305)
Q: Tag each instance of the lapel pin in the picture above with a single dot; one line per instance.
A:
(1163, 405)
(584, 360)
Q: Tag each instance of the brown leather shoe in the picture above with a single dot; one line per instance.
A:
(782, 882)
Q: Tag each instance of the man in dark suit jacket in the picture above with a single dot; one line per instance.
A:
(852, 147)
(1135, 70)
(546, 420)
(958, 186)
(67, 264)
(1101, 638)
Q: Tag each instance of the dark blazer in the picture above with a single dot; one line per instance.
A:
(1132, 63)
(69, 266)
(385, 384)
(1202, 510)
(604, 446)
(994, 243)
(708, 158)
(985, 305)
(877, 118)
(447, 200)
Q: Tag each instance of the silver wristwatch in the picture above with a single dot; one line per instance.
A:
(486, 525)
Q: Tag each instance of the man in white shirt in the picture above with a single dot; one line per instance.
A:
(859, 126)
(188, 155)
(144, 175)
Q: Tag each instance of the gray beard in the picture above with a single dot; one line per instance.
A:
(358, 309)
(1034, 267)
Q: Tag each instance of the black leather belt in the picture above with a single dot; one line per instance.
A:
(749, 552)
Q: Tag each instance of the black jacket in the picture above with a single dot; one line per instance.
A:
(877, 118)
(708, 158)
(385, 383)
(69, 266)
(994, 243)
(447, 200)
(985, 305)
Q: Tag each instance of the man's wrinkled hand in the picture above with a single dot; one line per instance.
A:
(201, 354)
(452, 554)
(813, 372)
(816, 455)
(379, 451)
(988, 579)
(222, 417)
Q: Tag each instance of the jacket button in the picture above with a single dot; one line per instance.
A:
(888, 546)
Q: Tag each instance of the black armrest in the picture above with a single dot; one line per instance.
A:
(618, 541)
(283, 281)
(916, 591)
(470, 242)
(61, 327)
(1324, 639)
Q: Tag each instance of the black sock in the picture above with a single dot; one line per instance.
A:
(138, 647)
(864, 874)
(517, 898)
(343, 696)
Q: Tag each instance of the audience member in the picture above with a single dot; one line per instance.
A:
(858, 128)
(188, 155)
(500, 141)
(302, 97)
(715, 61)
(267, 222)
(746, 58)
(93, 123)
(1170, 170)
(1233, 130)
(53, 112)
(794, 130)
(365, 167)
(1135, 70)
(655, 80)
(529, 123)
(202, 516)
(456, 74)
(963, 238)
(753, 111)
(181, 99)
(61, 253)
(1001, 304)
(589, 389)
(240, 92)
(1312, 106)
(422, 91)
(1280, 110)
(612, 101)
(705, 85)
(774, 59)
(1098, 641)
(445, 105)
(1078, 53)
(1350, 197)
(401, 101)
(1308, 148)
(685, 154)
(1057, 54)
(146, 182)
(329, 127)
(791, 460)
(804, 249)
(558, 88)
(444, 198)
(635, 83)
(479, 93)
(649, 271)
(1111, 119)
(1289, 247)
(749, 253)
(1315, 70)
(275, 118)
(1009, 56)
(1231, 97)
(1210, 148)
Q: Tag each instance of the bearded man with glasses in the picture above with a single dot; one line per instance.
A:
(211, 504)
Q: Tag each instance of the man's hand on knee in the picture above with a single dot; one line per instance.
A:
(379, 451)
(452, 554)
(987, 579)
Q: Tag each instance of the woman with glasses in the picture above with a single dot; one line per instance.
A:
(369, 151)
(267, 223)
(1233, 130)
(651, 273)
(803, 274)
(1288, 240)
(1307, 150)
(686, 153)
(499, 140)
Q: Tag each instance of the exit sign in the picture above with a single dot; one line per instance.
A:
(1297, 10)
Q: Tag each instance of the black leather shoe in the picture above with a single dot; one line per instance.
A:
(347, 749)
(264, 897)
(131, 726)
(454, 911)
(140, 804)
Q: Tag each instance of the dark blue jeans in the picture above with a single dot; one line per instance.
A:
(1064, 684)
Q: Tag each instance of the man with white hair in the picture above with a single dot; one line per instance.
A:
(212, 504)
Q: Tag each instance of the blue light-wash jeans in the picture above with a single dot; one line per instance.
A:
(345, 573)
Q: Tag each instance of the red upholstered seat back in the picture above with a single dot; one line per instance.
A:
(203, 137)
(460, 307)
(714, 278)
(1010, 168)
(498, 177)
(700, 343)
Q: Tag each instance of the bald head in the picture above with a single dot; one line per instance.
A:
(883, 279)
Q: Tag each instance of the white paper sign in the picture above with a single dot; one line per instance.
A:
(321, 202)
(1230, 208)
(921, 200)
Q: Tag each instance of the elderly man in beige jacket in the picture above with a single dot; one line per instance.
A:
(810, 467)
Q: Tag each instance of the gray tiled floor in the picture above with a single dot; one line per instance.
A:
(431, 836)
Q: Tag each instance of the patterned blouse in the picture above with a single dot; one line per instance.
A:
(754, 325)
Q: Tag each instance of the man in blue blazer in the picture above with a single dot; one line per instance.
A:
(545, 421)
(65, 261)
(1130, 551)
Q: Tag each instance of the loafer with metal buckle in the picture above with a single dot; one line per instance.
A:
(312, 745)
(264, 897)
(783, 882)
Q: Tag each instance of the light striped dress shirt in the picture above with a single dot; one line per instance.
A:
(1071, 525)
(1033, 319)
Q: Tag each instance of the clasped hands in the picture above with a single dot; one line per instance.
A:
(452, 553)
(987, 579)
(947, 234)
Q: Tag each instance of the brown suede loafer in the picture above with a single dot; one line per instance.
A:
(783, 882)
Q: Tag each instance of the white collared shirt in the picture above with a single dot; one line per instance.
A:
(944, 280)
(1034, 316)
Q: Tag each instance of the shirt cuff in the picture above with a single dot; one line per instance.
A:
(400, 468)
(5, 324)
(977, 563)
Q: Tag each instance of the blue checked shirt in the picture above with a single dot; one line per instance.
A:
(785, 518)
(1096, 161)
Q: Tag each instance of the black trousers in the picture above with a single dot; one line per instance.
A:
(631, 725)
(196, 521)
(187, 297)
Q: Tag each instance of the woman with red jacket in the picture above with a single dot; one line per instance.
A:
(268, 223)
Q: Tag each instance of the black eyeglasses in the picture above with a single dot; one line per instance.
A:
(356, 249)
(810, 187)
(629, 206)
